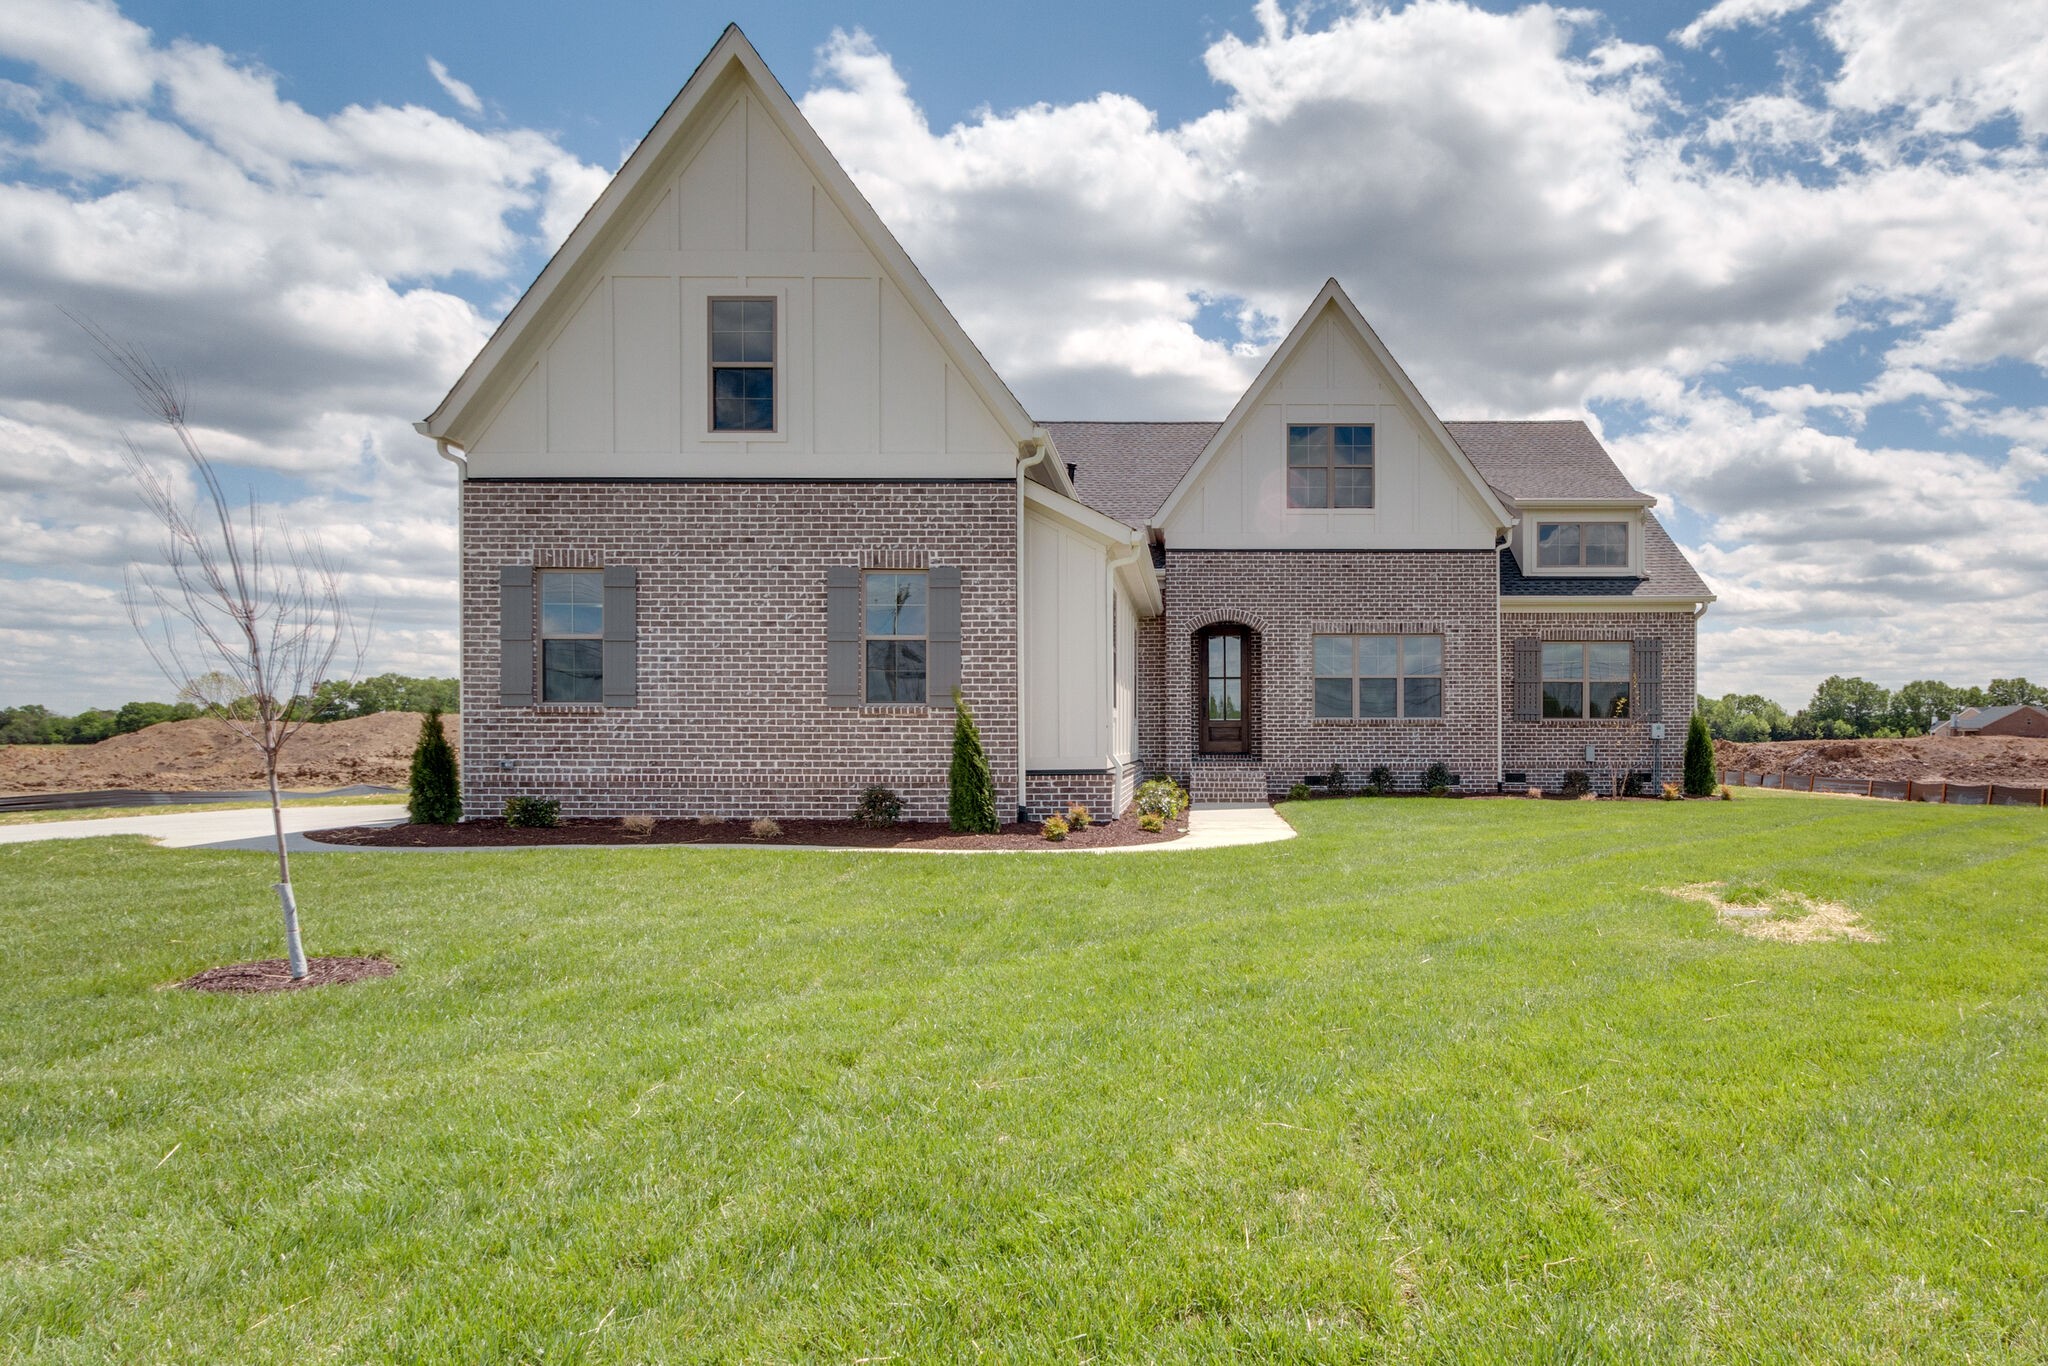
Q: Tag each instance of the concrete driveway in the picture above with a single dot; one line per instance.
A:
(243, 828)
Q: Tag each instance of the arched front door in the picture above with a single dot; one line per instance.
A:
(1226, 693)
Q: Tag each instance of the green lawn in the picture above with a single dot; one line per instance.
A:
(1436, 1081)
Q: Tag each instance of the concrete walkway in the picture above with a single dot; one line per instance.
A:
(1210, 826)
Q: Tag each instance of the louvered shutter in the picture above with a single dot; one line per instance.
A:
(1649, 687)
(942, 651)
(1528, 680)
(842, 636)
(515, 635)
(621, 635)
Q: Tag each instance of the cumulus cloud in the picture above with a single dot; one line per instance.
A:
(1728, 14)
(462, 92)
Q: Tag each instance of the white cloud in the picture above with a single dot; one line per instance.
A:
(1952, 63)
(1727, 14)
(462, 92)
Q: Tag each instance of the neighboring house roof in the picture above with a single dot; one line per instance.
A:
(1976, 718)
(1666, 574)
(1126, 469)
(1543, 460)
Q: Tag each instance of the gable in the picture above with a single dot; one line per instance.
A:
(1330, 370)
(602, 370)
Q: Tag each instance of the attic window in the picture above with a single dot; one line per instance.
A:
(1329, 467)
(1571, 545)
(743, 365)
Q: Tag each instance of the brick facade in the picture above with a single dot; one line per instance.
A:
(731, 717)
(1287, 598)
(1544, 751)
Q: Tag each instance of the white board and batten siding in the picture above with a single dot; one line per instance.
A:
(1080, 647)
(619, 387)
(1422, 500)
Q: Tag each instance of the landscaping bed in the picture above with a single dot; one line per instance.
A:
(494, 833)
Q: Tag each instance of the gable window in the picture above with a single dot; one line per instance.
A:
(1365, 677)
(895, 628)
(1594, 545)
(1585, 680)
(1329, 467)
(572, 635)
(743, 365)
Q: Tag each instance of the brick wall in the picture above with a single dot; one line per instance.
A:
(732, 718)
(1149, 742)
(1546, 750)
(1289, 598)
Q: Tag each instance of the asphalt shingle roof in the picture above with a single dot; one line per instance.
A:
(1542, 460)
(1126, 469)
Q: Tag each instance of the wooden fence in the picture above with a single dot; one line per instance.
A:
(1955, 794)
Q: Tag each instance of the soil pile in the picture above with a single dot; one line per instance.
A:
(204, 756)
(2011, 760)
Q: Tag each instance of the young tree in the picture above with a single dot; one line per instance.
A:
(436, 797)
(1701, 776)
(971, 793)
(243, 617)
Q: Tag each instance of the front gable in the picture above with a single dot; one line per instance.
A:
(602, 369)
(1332, 369)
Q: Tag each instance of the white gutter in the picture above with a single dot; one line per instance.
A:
(1501, 704)
(1040, 448)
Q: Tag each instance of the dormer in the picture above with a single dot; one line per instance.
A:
(1579, 538)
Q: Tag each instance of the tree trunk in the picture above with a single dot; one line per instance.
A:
(294, 950)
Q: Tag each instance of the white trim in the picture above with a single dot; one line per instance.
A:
(1332, 295)
(1135, 568)
(1532, 604)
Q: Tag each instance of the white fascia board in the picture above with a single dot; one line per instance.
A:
(733, 52)
(1588, 603)
(1331, 294)
(1603, 504)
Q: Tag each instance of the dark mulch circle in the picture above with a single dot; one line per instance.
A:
(839, 834)
(275, 974)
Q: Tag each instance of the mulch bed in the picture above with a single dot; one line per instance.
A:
(275, 974)
(840, 834)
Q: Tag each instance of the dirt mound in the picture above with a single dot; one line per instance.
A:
(2015, 761)
(204, 756)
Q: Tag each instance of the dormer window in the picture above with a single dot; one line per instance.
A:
(743, 365)
(1575, 545)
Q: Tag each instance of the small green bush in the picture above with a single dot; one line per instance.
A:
(1334, 781)
(436, 796)
(1633, 784)
(1151, 822)
(1437, 779)
(1701, 776)
(1576, 784)
(532, 813)
(970, 792)
(1054, 829)
(1079, 817)
(1162, 797)
(878, 806)
(1299, 793)
(1380, 781)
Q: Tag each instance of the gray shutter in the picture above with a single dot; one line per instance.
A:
(621, 635)
(842, 635)
(1528, 680)
(515, 635)
(942, 651)
(1649, 658)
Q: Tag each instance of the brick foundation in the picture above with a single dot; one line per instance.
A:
(731, 718)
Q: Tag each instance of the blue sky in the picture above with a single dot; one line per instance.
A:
(1788, 255)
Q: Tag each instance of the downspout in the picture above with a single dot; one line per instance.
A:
(1138, 548)
(1501, 703)
(455, 456)
(1040, 448)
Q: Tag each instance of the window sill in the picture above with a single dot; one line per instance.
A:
(894, 708)
(571, 708)
(1605, 722)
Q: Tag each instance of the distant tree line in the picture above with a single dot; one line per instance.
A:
(1857, 709)
(334, 700)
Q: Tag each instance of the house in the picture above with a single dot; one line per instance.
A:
(742, 506)
(2025, 719)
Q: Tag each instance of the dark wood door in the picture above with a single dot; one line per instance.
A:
(1226, 695)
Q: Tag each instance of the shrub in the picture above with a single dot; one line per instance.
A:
(1437, 779)
(1151, 822)
(1727, 793)
(1700, 775)
(1576, 784)
(1534, 792)
(1380, 781)
(436, 797)
(1079, 817)
(878, 806)
(710, 820)
(1162, 797)
(532, 813)
(1054, 829)
(1670, 793)
(764, 828)
(637, 825)
(970, 792)
(1336, 779)
(1299, 793)
(1633, 785)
